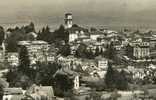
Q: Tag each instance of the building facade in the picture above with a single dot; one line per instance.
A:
(139, 50)
(38, 51)
(68, 20)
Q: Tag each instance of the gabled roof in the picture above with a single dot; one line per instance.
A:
(48, 90)
(97, 33)
(13, 91)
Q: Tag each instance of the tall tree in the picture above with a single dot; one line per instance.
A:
(110, 78)
(121, 81)
(110, 52)
(45, 35)
(24, 60)
(115, 79)
(61, 34)
(97, 51)
(30, 28)
(81, 51)
(2, 33)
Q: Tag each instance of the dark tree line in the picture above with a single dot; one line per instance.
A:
(51, 37)
(17, 34)
(110, 52)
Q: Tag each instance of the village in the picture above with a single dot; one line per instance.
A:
(77, 63)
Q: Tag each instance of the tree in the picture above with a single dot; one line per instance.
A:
(16, 34)
(63, 84)
(93, 29)
(29, 28)
(89, 54)
(75, 25)
(1, 34)
(61, 34)
(115, 79)
(46, 35)
(97, 51)
(65, 50)
(110, 78)
(3, 84)
(24, 61)
(121, 81)
(23, 81)
(81, 51)
(45, 72)
(18, 79)
(110, 52)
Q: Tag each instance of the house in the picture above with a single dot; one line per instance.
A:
(137, 73)
(153, 44)
(96, 34)
(88, 63)
(38, 51)
(139, 50)
(77, 32)
(12, 58)
(40, 92)
(102, 63)
(13, 94)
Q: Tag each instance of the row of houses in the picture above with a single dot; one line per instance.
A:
(35, 92)
(38, 51)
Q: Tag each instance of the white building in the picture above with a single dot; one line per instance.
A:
(95, 35)
(68, 20)
(38, 51)
(12, 94)
(13, 58)
(102, 63)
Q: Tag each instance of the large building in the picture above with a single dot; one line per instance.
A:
(75, 32)
(12, 58)
(139, 50)
(38, 51)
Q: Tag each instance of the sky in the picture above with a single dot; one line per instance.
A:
(85, 12)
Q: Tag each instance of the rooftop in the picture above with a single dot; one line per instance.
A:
(31, 42)
(13, 91)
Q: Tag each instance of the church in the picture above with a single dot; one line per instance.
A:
(75, 32)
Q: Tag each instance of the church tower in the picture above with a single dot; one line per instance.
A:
(68, 20)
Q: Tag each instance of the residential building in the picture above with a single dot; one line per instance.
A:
(13, 94)
(102, 63)
(40, 92)
(139, 50)
(96, 34)
(77, 32)
(37, 50)
(12, 58)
